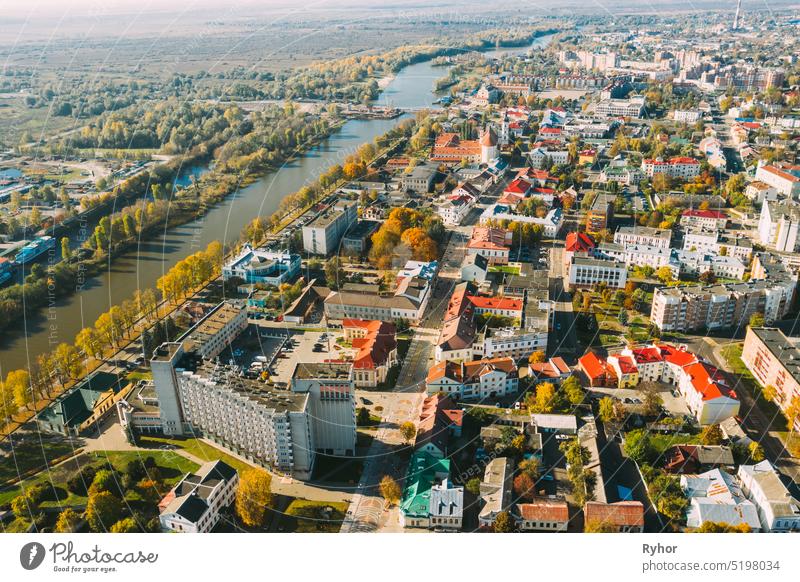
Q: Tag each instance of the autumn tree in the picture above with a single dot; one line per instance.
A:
(18, 384)
(68, 521)
(598, 526)
(537, 357)
(408, 431)
(127, 525)
(524, 487)
(711, 435)
(504, 523)
(253, 497)
(574, 392)
(756, 452)
(390, 490)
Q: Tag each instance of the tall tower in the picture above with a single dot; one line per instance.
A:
(488, 144)
(736, 17)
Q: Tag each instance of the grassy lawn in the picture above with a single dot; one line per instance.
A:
(662, 442)
(32, 457)
(171, 467)
(510, 270)
(136, 376)
(303, 516)
(195, 447)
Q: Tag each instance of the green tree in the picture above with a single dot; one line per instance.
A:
(474, 486)
(103, 510)
(66, 252)
(573, 390)
(363, 418)
(638, 446)
(757, 320)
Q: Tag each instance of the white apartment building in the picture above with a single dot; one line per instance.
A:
(587, 272)
(677, 167)
(643, 235)
(194, 504)
(634, 255)
(510, 342)
(633, 107)
(284, 429)
(778, 226)
(687, 115)
(784, 178)
(777, 510)
(217, 329)
(539, 157)
(550, 223)
(322, 235)
(759, 191)
(712, 242)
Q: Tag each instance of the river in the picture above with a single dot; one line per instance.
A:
(141, 267)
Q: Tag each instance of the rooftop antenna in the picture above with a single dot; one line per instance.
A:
(736, 16)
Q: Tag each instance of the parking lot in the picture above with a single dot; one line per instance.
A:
(674, 403)
(301, 348)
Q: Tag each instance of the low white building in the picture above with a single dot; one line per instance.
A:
(643, 235)
(194, 504)
(588, 271)
(759, 191)
(715, 496)
(778, 511)
(475, 380)
(784, 178)
(687, 115)
(677, 167)
(539, 157)
(550, 223)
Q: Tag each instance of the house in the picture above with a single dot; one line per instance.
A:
(79, 408)
(424, 473)
(477, 379)
(439, 420)
(357, 239)
(492, 243)
(495, 490)
(450, 148)
(553, 370)
(577, 242)
(715, 496)
(688, 459)
(377, 350)
(706, 390)
(475, 268)
(499, 306)
(456, 208)
(622, 516)
(446, 508)
(625, 370)
(704, 219)
(594, 369)
(542, 514)
(195, 503)
(759, 192)
(777, 510)
(550, 223)
(643, 235)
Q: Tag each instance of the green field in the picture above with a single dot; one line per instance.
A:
(195, 447)
(303, 516)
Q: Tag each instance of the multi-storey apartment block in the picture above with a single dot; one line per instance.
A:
(322, 235)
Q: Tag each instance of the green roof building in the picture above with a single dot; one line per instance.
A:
(69, 411)
(424, 471)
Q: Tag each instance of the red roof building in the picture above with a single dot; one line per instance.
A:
(579, 242)
(595, 369)
(503, 306)
(623, 516)
(377, 350)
